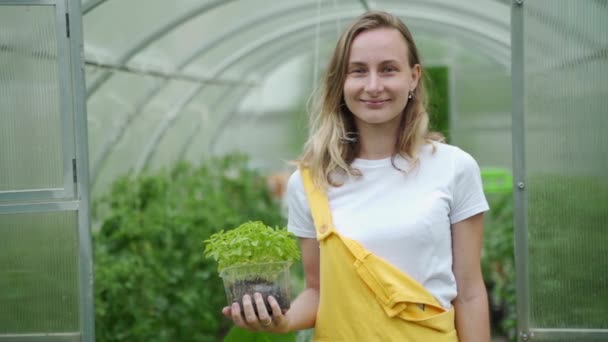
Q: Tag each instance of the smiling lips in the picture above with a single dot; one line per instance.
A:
(374, 103)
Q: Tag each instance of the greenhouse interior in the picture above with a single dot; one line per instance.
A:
(132, 131)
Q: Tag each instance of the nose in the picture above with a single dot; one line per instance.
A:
(373, 84)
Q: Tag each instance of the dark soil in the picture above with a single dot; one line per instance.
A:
(241, 288)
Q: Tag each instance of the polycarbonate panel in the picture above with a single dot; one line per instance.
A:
(169, 36)
(112, 107)
(31, 134)
(126, 152)
(257, 26)
(194, 118)
(109, 42)
(481, 117)
(566, 162)
(39, 286)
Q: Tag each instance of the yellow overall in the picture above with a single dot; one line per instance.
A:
(364, 298)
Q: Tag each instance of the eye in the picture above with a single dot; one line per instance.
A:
(389, 69)
(356, 71)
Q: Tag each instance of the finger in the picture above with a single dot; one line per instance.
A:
(263, 316)
(277, 313)
(226, 312)
(236, 316)
(250, 316)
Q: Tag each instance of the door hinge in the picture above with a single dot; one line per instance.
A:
(74, 171)
(67, 24)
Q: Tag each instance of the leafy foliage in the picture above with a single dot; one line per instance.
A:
(250, 243)
(498, 264)
(152, 282)
(437, 81)
(240, 335)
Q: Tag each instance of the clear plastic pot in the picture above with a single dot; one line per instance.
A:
(269, 279)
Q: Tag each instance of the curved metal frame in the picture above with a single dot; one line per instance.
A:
(219, 129)
(191, 15)
(199, 52)
(149, 39)
(505, 45)
(460, 25)
(365, 5)
(235, 58)
(91, 5)
(301, 26)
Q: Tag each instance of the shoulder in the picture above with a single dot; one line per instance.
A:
(295, 186)
(450, 153)
(295, 180)
(445, 154)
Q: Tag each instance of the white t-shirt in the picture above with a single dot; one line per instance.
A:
(403, 218)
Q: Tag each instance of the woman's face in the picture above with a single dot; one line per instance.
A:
(379, 77)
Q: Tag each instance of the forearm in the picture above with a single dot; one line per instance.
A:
(303, 311)
(472, 317)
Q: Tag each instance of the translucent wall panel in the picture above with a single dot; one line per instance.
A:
(127, 30)
(127, 152)
(191, 121)
(113, 107)
(39, 286)
(31, 132)
(566, 68)
(267, 139)
(481, 109)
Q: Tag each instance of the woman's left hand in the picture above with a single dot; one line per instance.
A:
(277, 322)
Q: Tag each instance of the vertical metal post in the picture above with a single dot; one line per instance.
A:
(76, 56)
(519, 169)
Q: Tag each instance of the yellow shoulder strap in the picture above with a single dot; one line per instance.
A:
(319, 205)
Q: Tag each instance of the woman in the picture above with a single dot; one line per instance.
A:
(389, 218)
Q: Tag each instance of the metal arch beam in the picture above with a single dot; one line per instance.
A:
(219, 129)
(149, 39)
(227, 120)
(174, 114)
(176, 75)
(261, 66)
(106, 149)
(190, 139)
(98, 164)
(156, 35)
(365, 5)
(290, 30)
(235, 58)
(91, 5)
(104, 77)
(197, 54)
(237, 30)
(265, 63)
(171, 117)
(422, 16)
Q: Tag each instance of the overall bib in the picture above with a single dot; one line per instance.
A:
(364, 298)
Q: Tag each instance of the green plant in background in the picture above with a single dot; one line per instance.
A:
(437, 78)
(152, 283)
(250, 243)
(498, 263)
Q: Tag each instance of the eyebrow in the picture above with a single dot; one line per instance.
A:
(383, 62)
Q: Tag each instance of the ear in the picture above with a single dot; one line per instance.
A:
(416, 74)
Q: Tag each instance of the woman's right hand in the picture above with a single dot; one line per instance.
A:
(274, 322)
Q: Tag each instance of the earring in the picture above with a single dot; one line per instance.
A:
(351, 137)
(410, 95)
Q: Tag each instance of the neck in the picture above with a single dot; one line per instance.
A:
(377, 141)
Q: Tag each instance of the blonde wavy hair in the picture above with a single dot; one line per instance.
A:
(330, 148)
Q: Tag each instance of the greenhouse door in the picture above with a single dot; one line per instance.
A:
(45, 249)
(560, 148)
